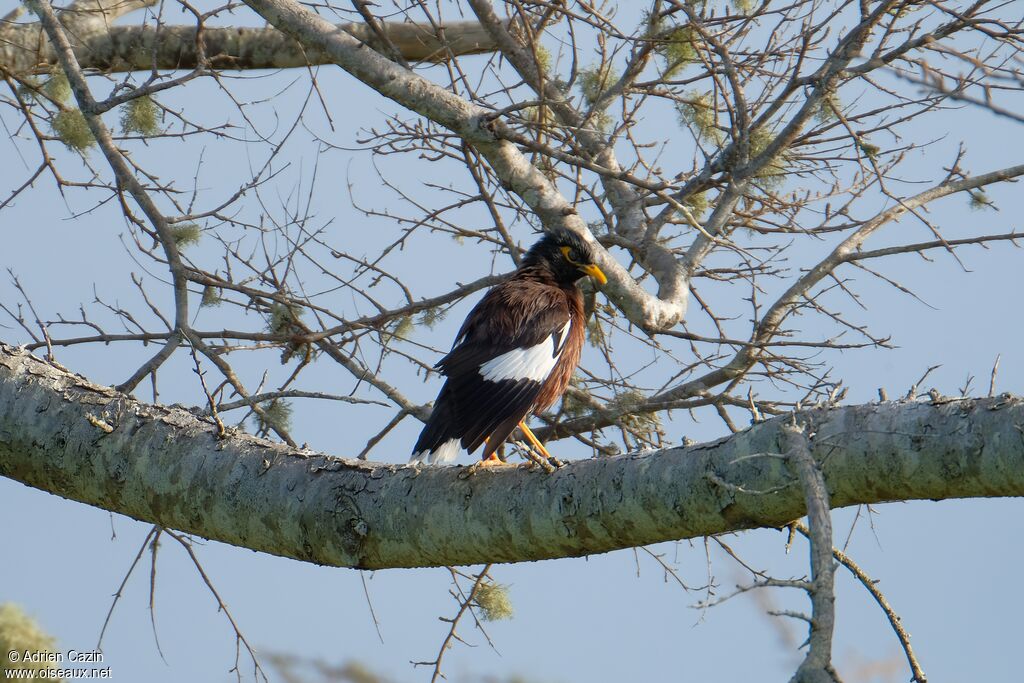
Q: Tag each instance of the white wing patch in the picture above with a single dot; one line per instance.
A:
(442, 455)
(533, 363)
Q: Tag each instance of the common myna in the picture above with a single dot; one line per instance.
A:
(514, 354)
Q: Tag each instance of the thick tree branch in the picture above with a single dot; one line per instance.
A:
(24, 49)
(62, 434)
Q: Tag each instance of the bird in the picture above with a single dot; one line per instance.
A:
(513, 355)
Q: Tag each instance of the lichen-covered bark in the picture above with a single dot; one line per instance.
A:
(62, 434)
(23, 48)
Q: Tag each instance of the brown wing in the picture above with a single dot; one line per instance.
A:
(511, 343)
(559, 378)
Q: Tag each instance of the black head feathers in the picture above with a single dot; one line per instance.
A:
(565, 255)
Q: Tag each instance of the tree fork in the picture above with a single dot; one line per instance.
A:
(63, 434)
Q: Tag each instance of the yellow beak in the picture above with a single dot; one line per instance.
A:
(595, 272)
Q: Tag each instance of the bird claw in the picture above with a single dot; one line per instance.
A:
(556, 463)
(493, 461)
(547, 463)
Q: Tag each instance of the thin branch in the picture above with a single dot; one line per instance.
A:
(817, 665)
(917, 673)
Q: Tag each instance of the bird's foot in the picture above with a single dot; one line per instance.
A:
(537, 452)
(490, 461)
(547, 462)
(555, 462)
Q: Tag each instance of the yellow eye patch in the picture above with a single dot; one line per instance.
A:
(589, 268)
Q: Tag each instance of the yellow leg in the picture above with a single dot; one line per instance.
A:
(534, 440)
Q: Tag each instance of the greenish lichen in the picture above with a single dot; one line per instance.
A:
(140, 115)
(544, 59)
(678, 49)
(283, 318)
(21, 634)
(57, 87)
(743, 6)
(697, 203)
(828, 109)
(493, 601)
(980, 201)
(431, 317)
(773, 174)
(186, 234)
(634, 416)
(211, 296)
(72, 129)
(284, 322)
(696, 112)
(595, 81)
(276, 413)
(595, 332)
(404, 327)
(871, 151)
(573, 406)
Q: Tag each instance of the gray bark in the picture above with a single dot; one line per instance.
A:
(24, 48)
(62, 434)
(817, 665)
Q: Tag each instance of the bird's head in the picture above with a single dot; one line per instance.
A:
(566, 255)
